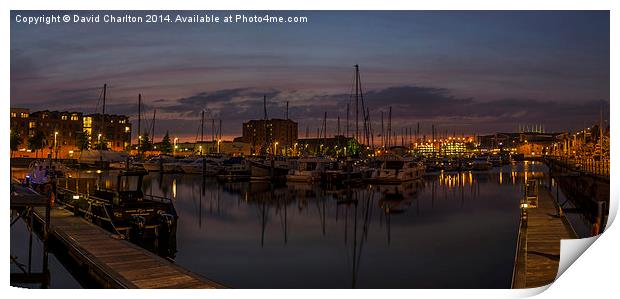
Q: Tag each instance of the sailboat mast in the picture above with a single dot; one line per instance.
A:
(139, 118)
(338, 125)
(348, 104)
(356, 103)
(105, 88)
(390, 128)
(202, 126)
(153, 128)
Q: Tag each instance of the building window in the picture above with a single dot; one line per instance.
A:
(24, 115)
(74, 117)
(64, 117)
(31, 125)
(13, 114)
(127, 129)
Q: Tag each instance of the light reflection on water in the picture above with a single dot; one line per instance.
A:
(452, 230)
(449, 230)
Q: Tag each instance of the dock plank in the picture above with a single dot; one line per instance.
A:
(538, 253)
(119, 262)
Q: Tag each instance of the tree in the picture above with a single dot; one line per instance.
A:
(83, 141)
(166, 147)
(36, 142)
(16, 141)
(102, 144)
(145, 143)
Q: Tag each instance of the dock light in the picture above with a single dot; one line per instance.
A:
(76, 197)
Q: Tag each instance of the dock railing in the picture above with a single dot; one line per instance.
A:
(584, 165)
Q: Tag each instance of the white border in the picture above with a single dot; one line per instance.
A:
(593, 274)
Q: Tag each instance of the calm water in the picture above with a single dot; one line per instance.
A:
(60, 277)
(449, 230)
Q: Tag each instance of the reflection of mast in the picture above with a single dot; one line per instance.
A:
(357, 249)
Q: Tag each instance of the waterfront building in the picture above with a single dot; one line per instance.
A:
(60, 131)
(270, 136)
(19, 125)
(63, 132)
(113, 130)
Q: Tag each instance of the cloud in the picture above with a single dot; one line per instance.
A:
(410, 105)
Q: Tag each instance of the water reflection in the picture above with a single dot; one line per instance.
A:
(449, 230)
(428, 233)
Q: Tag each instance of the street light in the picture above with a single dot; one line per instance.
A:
(175, 146)
(56, 144)
(275, 148)
(218, 145)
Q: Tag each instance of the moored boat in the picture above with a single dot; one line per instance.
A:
(309, 169)
(395, 169)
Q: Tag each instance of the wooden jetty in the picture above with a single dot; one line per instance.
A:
(538, 248)
(111, 262)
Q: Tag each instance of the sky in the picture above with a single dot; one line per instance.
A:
(464, 72)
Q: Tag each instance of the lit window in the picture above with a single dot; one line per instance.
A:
(24, 115)
(31, 124)
(127, 129)
(74, 117)
(13, 114)
(64, 117)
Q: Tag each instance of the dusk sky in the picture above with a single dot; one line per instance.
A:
(465, 72)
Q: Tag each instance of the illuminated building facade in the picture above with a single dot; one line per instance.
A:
(272, 135)
(114, 130)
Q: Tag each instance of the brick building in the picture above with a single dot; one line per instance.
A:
(269, 135)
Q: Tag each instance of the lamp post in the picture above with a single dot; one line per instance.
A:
(275, 148)
(174, 152)
(56, 144)
(218, 145)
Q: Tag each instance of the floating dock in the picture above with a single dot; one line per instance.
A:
(111, 262)
(538, 248)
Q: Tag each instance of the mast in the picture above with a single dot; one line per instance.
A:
(105, 88)
(356, 103)
(139, 118)
(371, 138)
(325, 128)
(338, 125)
(382, 132)
(266, 140)
(286, 109)
(202, 127)
(390, 128)
(348, 120)
(153, 127)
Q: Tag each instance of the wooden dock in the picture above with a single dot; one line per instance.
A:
(116, 263)
(538, 250)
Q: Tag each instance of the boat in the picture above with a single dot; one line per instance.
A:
(103, 159)
(234, 169)
(175, 166)
(496, 160)
(267, 169)
(309, 169)
(157, 163)
(481, 163)
(395, 169)
(211, 166)
(125, 210)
